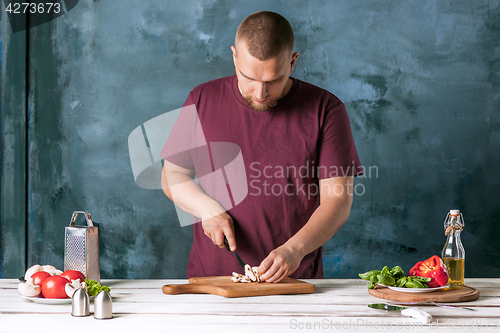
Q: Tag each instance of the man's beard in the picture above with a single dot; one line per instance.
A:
(261, 107)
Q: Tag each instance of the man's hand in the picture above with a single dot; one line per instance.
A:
(217, 227)
(333, 211)
(279, 264)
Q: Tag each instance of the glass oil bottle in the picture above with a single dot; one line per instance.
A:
(453, 253)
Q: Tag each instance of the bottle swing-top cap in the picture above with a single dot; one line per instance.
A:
(453, 222)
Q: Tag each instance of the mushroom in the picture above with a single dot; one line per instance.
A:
(32, 270)
(73, 286)
(51, 270)
(28, 288)
(251, 275)
(256, 272)
(236, 277)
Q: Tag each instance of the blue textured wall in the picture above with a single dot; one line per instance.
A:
(13, 149)
(1, 271)
(420, 79)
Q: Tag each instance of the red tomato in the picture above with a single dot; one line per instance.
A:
(39, 277)
(73, 275)
(53, 287)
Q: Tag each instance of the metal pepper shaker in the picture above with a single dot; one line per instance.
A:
(103, 305)
(80, 303)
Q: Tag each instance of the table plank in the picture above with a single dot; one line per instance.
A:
(174, 323)
(140, 305)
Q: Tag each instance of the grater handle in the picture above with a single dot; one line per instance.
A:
(87, 217)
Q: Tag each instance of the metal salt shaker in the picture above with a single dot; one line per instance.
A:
(80, 303)
(103, 306)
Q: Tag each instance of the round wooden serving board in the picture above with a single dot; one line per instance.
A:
(440, 296)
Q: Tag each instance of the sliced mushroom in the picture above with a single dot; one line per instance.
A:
(256, 272)
(251, 275)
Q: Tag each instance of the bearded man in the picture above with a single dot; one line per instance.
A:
(294, 137)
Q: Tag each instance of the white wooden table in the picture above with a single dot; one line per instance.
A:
(337, 305)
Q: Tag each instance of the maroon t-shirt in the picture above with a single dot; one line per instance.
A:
(285, 152)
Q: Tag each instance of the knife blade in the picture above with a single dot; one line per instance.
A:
(241, 262)
(385, 306)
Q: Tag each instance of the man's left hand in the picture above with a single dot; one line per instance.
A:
(279, 264)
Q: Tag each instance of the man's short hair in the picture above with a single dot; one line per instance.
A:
(265, 34)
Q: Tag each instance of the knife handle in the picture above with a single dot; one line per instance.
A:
(226, 243)
(420, 315)
(240, 261)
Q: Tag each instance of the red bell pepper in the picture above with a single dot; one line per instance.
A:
(433, 268)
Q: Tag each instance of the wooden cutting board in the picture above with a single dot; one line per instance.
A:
(440, 296)
(223, 286)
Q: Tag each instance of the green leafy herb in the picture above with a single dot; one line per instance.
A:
(386, 280)
(93, 287)
(394, 277)
(397, 272)
(369, 275)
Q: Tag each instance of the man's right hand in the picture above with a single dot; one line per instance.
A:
(217, 227)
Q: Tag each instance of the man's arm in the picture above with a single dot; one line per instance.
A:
(332, 213)
(179, 186)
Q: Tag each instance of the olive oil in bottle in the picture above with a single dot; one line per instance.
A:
(453, 254)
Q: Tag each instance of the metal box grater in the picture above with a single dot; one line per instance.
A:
(81, 252)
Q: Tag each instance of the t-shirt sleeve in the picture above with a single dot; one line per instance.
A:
(181, 141)
(337, 153)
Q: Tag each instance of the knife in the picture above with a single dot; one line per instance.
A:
(241, 262)
(416, 313)
(432, 303)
